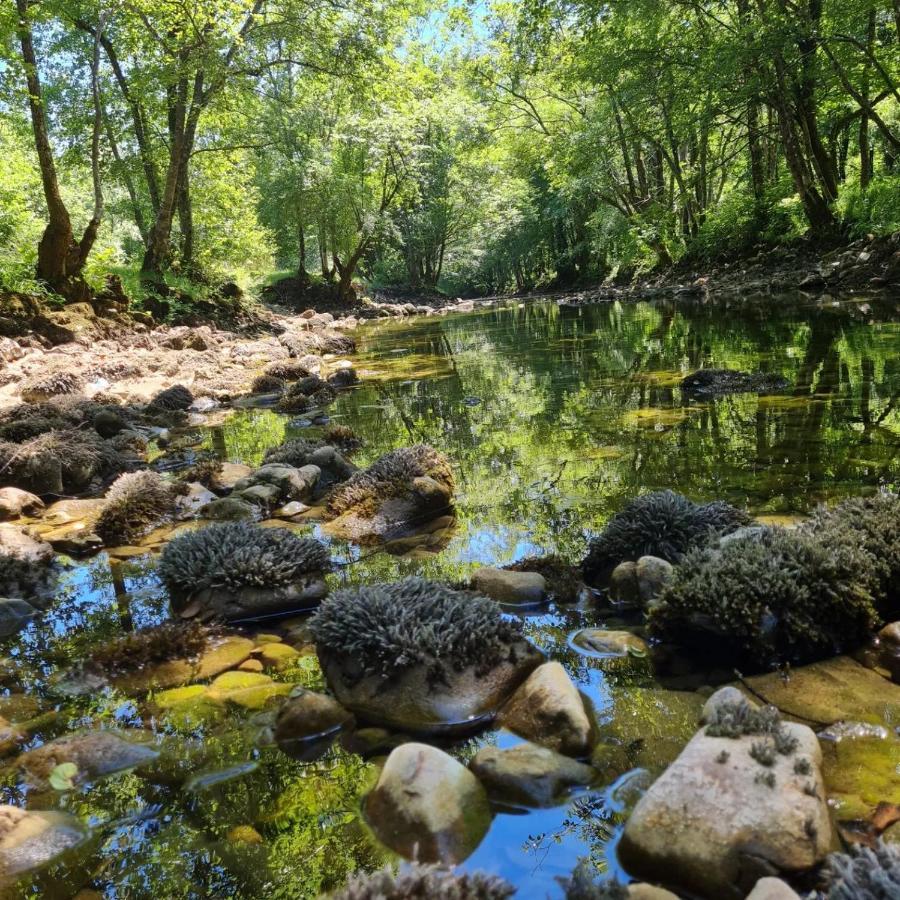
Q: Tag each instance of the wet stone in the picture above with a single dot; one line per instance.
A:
(510, 587)
(308, 715)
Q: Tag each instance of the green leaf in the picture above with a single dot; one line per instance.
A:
(62, 778)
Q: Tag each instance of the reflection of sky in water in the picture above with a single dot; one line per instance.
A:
(553, 418)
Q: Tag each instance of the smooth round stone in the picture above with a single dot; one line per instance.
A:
(510, 587)
(308, 715)
(604, 644)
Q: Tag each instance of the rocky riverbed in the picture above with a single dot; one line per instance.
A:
(285, 609)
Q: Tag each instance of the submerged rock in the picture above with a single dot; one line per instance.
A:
(705, 383)
(427, 806)
(418, 656)
(745, 798)
(237, 570)
(29, 838)
(549, 710)
(308, 715)
(26, 563)
(598, 643)
(15, 614)
(529, 775)
(94, 754)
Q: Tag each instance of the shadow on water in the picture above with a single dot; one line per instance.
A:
(554, 417)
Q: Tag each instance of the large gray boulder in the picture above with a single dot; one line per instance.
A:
(733, 807)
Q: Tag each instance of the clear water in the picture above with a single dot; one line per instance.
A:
(553, 417)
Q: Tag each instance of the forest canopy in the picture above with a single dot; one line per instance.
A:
(477, 147)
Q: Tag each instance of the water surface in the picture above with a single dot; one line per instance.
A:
(554, 417)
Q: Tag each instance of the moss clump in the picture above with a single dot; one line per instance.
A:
(235, 555)
(425, 883)
(718, 382)
(389, 628)
(871, 525)
(735, 720)
(173, 399)
(343, 378)
(390, 476)
(864, 874)
(160, 643)
(51, 384)
(663, 524)
(771, 596)
(59, 462)
(267, 384)
(204, 471)
(343, 437)
(305, 394)
(292, 453)
(136, 503)
(563, 579)
(286, 370)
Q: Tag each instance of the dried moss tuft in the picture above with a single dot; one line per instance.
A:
(292, 453)
(286, 370)
(663, 524)
(770, 596)
(234, 555)
(157, 644)
(389, 628)
(175, 398)
(267, 384)
(136, 503)
(581, 885)
(51, 384)
(421, 882)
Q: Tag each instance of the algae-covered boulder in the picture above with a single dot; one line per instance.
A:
(765, 597)
(136, 503)
(662, 524)
(744, 799)
(423, 882)
(238, 570)
(419, 656)
(398, 493)
(427, 806)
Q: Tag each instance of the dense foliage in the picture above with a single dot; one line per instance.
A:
(468, 147)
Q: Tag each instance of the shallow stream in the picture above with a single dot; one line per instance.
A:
(553, 417)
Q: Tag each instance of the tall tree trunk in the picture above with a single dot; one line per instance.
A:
(865, 152)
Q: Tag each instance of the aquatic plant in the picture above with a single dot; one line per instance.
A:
(389, 628)
(159, 643)
(236, 555)
(663, 524)
(51, 384)
(306, 393)
(581, 885)
(175, 398)
(734, 719)
(136, 503)
(286, 369)
(770, 596)
(267, 384)
(872, 525)
(292, 453)
(59, 462)
(343, 378)
(391, 475)
(866, 873)
(204, 471)
(420, 882)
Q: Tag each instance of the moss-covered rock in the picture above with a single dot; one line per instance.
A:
(239, 570)
(420, 656)
(136, 503)
(662, 524)
(768, 596)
